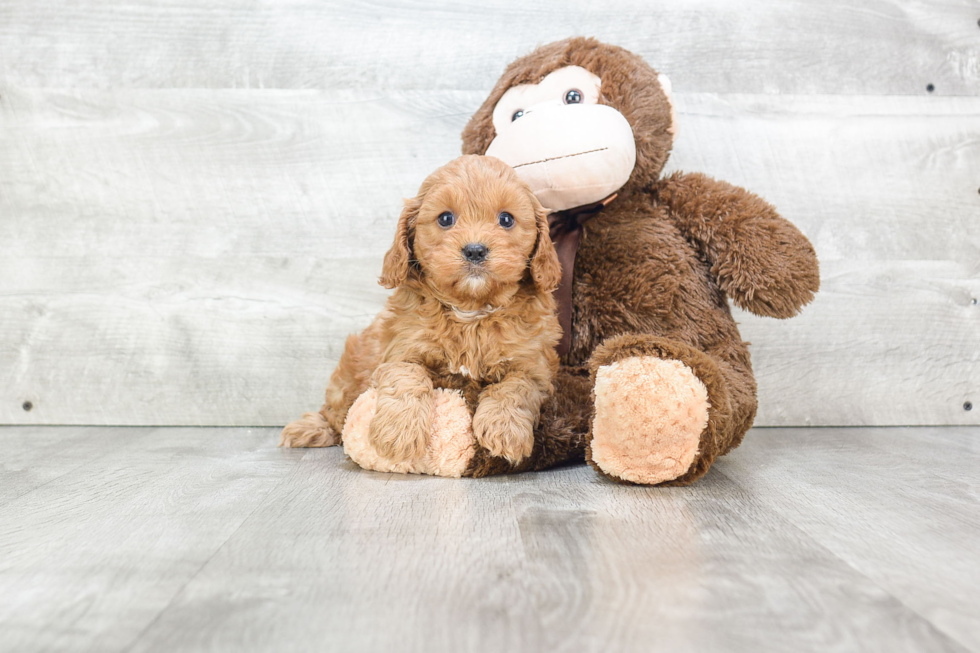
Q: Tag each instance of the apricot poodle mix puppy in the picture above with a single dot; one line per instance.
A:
(474, 268)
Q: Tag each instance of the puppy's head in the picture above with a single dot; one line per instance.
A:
(473, 234)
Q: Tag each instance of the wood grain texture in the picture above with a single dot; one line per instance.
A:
(37, 455)
(197, 256)
(89, 558)
(756, 46)
(214, 540)
(919, 493)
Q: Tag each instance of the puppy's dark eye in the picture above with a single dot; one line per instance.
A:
(447, 219)
(517, 114)
(573, 96)
(505, 220)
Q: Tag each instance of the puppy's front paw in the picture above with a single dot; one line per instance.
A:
(403, 415)
(401, 426)
(504, 429)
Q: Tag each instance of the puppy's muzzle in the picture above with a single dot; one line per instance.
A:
(476, 252)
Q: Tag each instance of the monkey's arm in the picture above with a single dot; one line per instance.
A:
(758, 257)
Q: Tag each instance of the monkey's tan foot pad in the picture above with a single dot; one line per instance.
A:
(310, 430)
(649, 416)
(451, 444)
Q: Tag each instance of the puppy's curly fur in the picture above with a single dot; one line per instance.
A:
(484, 327)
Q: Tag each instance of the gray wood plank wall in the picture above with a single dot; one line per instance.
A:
(194, 197)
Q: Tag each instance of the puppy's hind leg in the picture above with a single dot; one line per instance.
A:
(347, 382)
(310, 430)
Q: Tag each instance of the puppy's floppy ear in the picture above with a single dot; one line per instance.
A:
(398, 260)
(545, 267)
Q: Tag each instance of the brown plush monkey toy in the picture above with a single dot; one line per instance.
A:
(655, 381)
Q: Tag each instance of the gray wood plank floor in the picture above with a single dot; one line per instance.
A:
(184, 539)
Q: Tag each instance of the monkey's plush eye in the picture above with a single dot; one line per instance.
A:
(517, 114)
(573, 96)
(446, 219)
(505, 220)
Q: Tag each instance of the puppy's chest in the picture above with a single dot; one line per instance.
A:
(470, 381)
(465, 366)
(475, 355)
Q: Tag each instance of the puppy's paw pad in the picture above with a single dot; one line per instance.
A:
(649, 416)
(310, 430)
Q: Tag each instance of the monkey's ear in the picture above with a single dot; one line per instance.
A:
(669, 92)
(398, 260)
(545, 266)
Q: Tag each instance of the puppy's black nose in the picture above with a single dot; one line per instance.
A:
(476, 252)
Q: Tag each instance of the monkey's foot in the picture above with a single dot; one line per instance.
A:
(451, 444)
(649, 416)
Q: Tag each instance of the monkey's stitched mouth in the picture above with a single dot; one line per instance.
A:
(555, 158)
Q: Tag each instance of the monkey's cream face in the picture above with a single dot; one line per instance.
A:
(475, 233)
(570, 149)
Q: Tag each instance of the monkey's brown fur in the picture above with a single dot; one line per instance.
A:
(436, 329)
(655, 268)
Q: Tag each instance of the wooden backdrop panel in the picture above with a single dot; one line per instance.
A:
(740, 46)
(196, 256)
